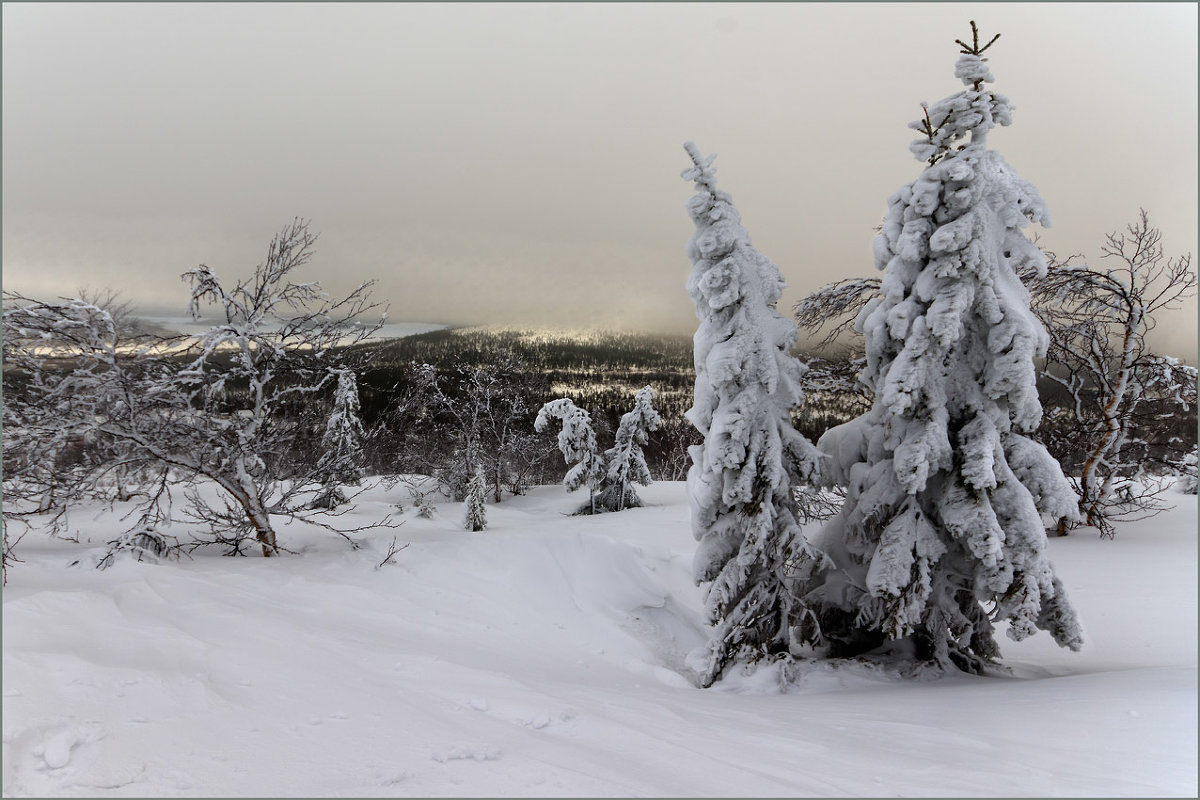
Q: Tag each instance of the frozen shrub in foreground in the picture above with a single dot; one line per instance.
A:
(752, 551)
(942, 531)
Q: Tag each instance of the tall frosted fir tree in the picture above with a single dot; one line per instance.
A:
(945, 490)
(751, 551)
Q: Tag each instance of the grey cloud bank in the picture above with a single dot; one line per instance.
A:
(519, 163)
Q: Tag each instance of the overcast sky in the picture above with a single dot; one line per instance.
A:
(519, 164)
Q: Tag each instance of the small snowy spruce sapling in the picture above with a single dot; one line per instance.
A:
(752, 552)
(476, 514)
(625, 464)
(344, 432)
(341, 460)
(577, 441)
(942, 531)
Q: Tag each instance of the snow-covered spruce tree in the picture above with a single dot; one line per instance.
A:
(625, 464)
(342, 442)
(740, 484)
(1120, 419)
(945, 492)
(577, 442)
(476, 513)
(341, 462)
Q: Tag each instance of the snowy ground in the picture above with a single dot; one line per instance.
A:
(543, 657)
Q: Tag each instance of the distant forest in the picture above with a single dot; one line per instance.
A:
(599, 371)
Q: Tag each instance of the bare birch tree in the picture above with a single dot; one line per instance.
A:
(1098, 320)
(227, 408)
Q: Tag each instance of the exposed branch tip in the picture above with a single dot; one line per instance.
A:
(974, 49)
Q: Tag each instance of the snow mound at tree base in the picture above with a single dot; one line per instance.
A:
(819, 676)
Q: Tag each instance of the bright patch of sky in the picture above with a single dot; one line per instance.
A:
(519, 163)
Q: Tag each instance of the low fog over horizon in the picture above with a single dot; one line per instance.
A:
(519, 164)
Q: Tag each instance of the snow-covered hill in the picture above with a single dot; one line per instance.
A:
(544, 657)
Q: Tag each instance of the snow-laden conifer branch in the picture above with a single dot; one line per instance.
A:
(971, 113)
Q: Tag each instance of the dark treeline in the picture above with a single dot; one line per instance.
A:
(418, 392)
(600, 372)
(602, 351)
(411, 388)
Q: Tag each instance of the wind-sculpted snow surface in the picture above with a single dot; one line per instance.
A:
(945, 491)
(546, 658)
(740, 483)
